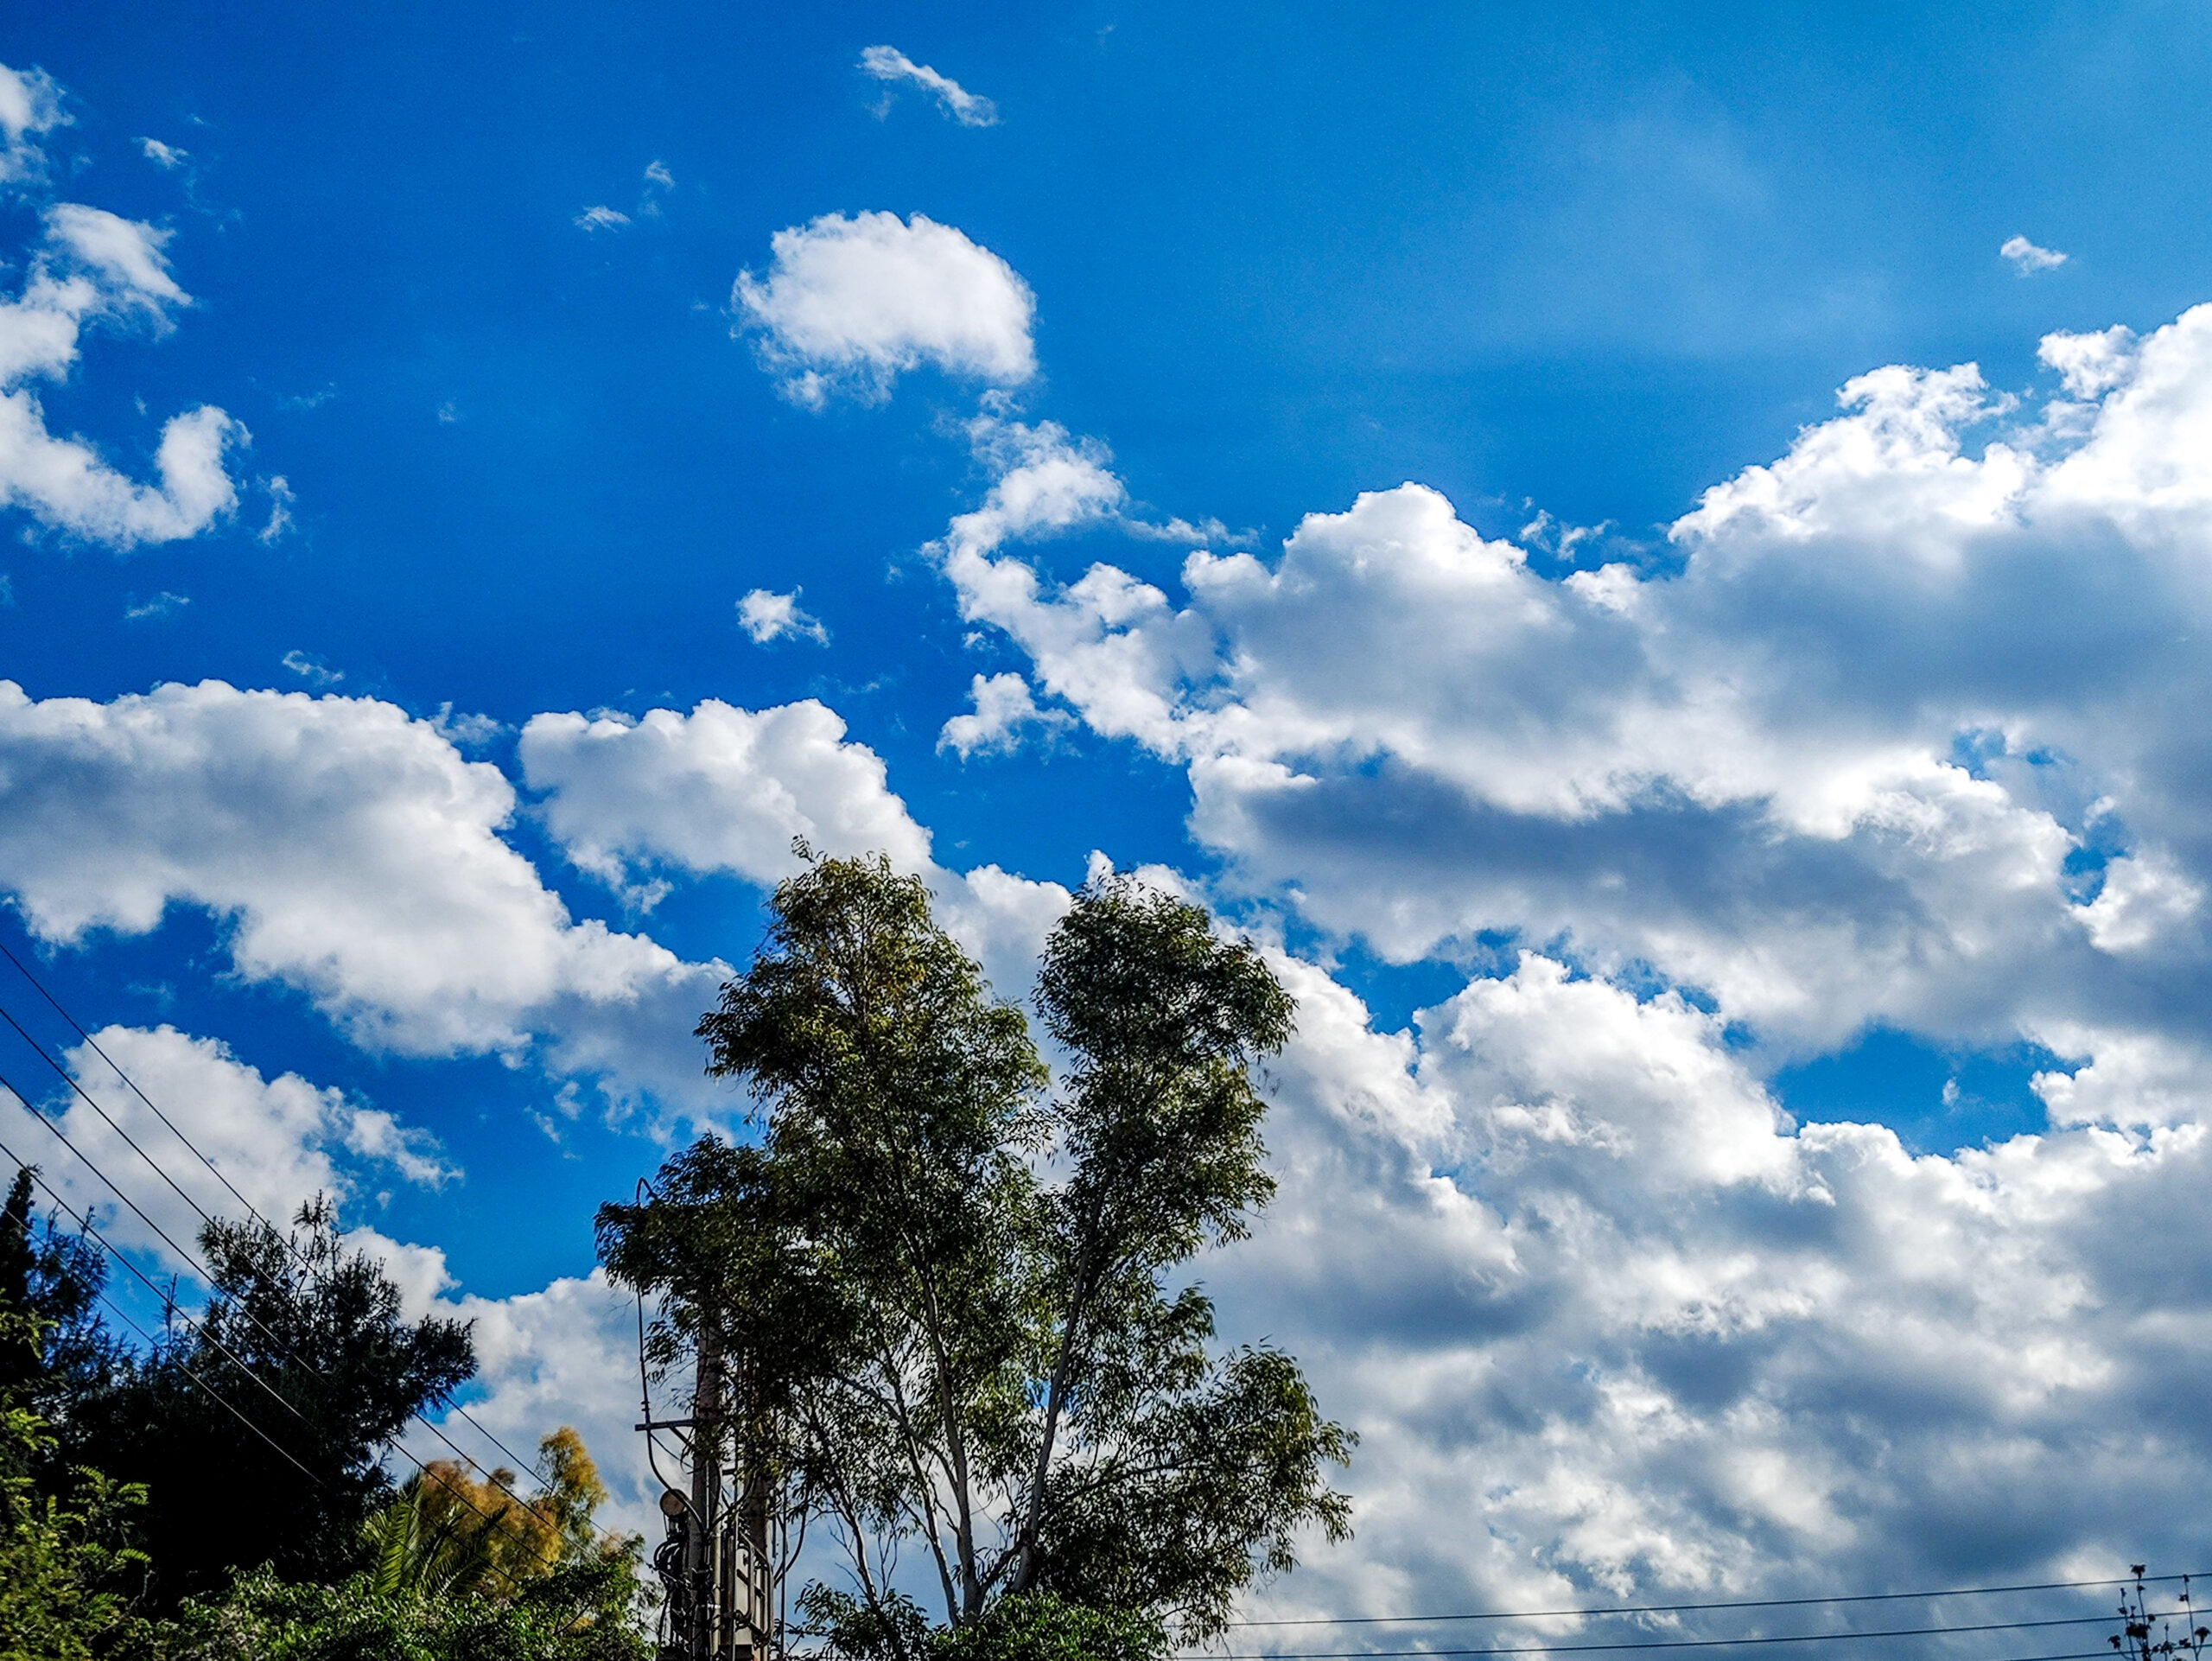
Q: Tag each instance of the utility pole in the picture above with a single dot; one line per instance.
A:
(715, 1566)
(751, 1589)
(702, 1561)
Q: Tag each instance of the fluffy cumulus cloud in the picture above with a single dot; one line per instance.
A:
(849, 304)
(353, 855)
(725, 790)
(1005, 711)
(1908, 737)
(93, 267)
(894, 68)
(2027, 259)
(161, 1098)
(721, 789)
(1586, 1289)
(30, 107)
(766, 617)
(1911, 732)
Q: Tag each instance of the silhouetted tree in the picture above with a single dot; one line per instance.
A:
(62, 1351)
(305, 1340)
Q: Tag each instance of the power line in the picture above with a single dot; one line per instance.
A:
(196, 1266)
(1690, 1608)
(77, 1027)
(53, 1003)
(85, 1226)
(200, 1269)
(85, 1223)
(1678, 1643)
(214, 1396)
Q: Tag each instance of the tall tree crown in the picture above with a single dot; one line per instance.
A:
(948, 1287)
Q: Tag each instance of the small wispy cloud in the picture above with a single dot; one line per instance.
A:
(169, 157)
(467, 731)
(281, 498)
(888, 64)
(766, 615)
(659, 182)
(312, 669)
(161, 605)
(2028, 259)
(602, 218)
(30, 105)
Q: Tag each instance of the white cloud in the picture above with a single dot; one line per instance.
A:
(125, 256)
(164, 604)
(726, 790)
(1582, 1288)
(353, 853)
(657, 173)
(1004, 711)
(281, 503)
(721, 789)
(565, 1355)
(850, 304)
(312, 669)
(93, 266)
(350, 853)
(30, 104)
(276, 1142)
(767, 616)
(2028, 259)
(888, 64)
(1831, 772)
(167, 157)
(465, 731)
(2091, 365)
(602, 218)
(2143, 899)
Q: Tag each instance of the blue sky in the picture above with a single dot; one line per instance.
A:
(1858, 793)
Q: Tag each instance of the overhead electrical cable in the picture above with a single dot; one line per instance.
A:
(1741, 1603)
(176, 1131)
(86, 1226)
(75, 1026)
(200, 1269)
(85, 1223)
(1678, 1643)
(2069, 1655)
(216, 1396)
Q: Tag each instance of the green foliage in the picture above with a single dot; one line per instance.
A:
(70, 1579)
(447, 1532)
(306, 1342)
(575, 1614)
(968, 1356)
(1039, 1627)
(1025, 1626)
(54, 1278)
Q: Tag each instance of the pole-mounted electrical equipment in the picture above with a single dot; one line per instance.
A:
(716, 1574)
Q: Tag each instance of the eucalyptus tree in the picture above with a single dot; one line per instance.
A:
(957, 1287)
